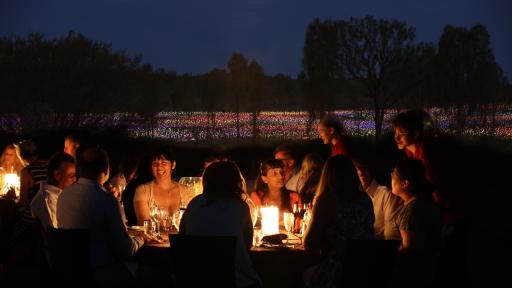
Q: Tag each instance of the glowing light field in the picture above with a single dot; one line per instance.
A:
(198, 126)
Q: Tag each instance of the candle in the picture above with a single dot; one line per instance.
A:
(269, 220)
(12, 180)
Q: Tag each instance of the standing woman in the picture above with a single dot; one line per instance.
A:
(162, 192)
(332, 133)
(341, 211)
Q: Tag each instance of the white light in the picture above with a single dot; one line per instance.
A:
(11, 180)
(269, 220)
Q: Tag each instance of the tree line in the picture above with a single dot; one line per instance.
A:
(359, 63)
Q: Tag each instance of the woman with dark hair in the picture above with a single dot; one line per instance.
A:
(221, 211)
(410, 136)
(269, 189)
(143, 174)
(418, 220)
(161, 193)
(341, 211)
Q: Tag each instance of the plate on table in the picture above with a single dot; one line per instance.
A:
(136, 228)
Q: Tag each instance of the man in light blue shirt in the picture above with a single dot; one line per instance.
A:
(86, 205)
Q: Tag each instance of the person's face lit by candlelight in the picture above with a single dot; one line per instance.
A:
(65, 175)
(404, 138)
(162, 168)
(274, 178)
(325, 133)
(70, 147)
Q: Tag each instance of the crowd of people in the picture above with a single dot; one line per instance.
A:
(422, 209)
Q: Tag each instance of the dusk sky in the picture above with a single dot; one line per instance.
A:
(195, 36)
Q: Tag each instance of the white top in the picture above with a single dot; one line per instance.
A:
(144, 192)
(44, 205)
(384, 206)
(224, 217)
(86, 205)
(293, 184)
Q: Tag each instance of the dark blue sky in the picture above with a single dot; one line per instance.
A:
(192, 36)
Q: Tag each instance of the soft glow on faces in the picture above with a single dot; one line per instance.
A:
(288, 162)
(9, 157)
(161, 168)
(403, 138)
(65, 175)
(324, 133)
(364, 176)
(274, 178)
(70, 147)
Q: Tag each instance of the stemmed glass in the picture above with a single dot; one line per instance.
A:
(155, 215)
(176, 219)
(288, 219)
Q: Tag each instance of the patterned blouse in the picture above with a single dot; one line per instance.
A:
(353, 220)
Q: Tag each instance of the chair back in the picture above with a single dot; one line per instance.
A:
(68, 251)
(369, 263)
(203, 261)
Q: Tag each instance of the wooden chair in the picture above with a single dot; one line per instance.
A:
(203, 261)
(68, 251)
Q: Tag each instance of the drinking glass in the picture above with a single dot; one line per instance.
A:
(176, 219)
(289, 220)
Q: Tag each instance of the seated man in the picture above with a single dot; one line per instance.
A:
(86, 205)
(61, 173)
(291, 168)
(385, 204)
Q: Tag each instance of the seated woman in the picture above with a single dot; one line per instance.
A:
(221, 211)
(310, 176)
(269, 189)
(10, 162)
(341, 211)
(418, 220)
(162, 192)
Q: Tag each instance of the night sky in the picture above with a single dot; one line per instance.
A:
(195, 36)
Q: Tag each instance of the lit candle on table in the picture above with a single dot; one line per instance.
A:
(269, 220)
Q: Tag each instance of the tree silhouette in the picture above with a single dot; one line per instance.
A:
(373, 51)
(470, 73)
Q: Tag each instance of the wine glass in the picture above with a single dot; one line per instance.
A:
(154, 214)
(176, 219)
(255, 217)
(288, 219)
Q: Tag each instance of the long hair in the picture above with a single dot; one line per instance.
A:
(143, 175)
(261, 188)
(18, 162)
(339, 177)
(223, 179)
(311, 171)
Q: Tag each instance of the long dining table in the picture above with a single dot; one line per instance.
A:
(277, 265)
